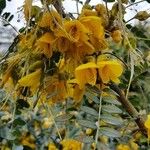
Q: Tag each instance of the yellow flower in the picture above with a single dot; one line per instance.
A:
(110, 71)
(74, 31)
(75, 92)
(147, 125)
(46, 43)
(87, 12)
(102, 12)
(51, 19)
(116, 36)
(74, 40)
(133, 145)
(123, 147)
(97, 35)
(70, 144)
(55, 88)
(31, 80)
(52, 147)
(86, 73)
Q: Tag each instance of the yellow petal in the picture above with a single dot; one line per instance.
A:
(147, 122)
(110, 70)
(31, 80)
(86, 73)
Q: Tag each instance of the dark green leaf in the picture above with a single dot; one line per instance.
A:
(6, 15)
(10, 18)
(2, 5)
(19, 122)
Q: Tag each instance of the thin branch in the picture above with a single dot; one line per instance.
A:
(87, 2)
(58, 6)
(129, 108)
(135, 3)
(9, 24)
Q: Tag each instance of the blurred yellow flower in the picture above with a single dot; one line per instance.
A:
(147, 125)
(51, 19)
(110, 71)
(45, 44)
(123, 147)
(86, 73)
(70, 144)
(31, 80)
(96, 31)
(51, 146)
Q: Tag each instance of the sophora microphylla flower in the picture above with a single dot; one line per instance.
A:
(86, 74)
(51, 20)
(110, 70)
(96, 31)
(46, 44)
(31, 80)
(147, 125)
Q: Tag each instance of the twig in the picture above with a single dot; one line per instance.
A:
(9, 24)
(129, 108)
(135, 3)
(87, 2)
(58, 6)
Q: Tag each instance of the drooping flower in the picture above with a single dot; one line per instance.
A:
(147, 125)
(31, 80)
(74, 31)
(86, 74)
(96, 36)
(45, 44)
(73, 41)
(110, 70)
(70, 144)
(51, 19)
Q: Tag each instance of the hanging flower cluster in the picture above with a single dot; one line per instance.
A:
(54, 51)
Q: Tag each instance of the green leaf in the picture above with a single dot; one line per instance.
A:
(6, 15)
(92, 97)
(109, 132)
(2, 5)
(111, 119)
(87, 124)
(19, 122)
(89, 110)
(10, 18)
(111, 109)
(5, 133)
(111, 100)
(63, 118)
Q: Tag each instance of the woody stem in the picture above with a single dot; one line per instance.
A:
(129, 108)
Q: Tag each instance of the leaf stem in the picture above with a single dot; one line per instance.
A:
(98, 122)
